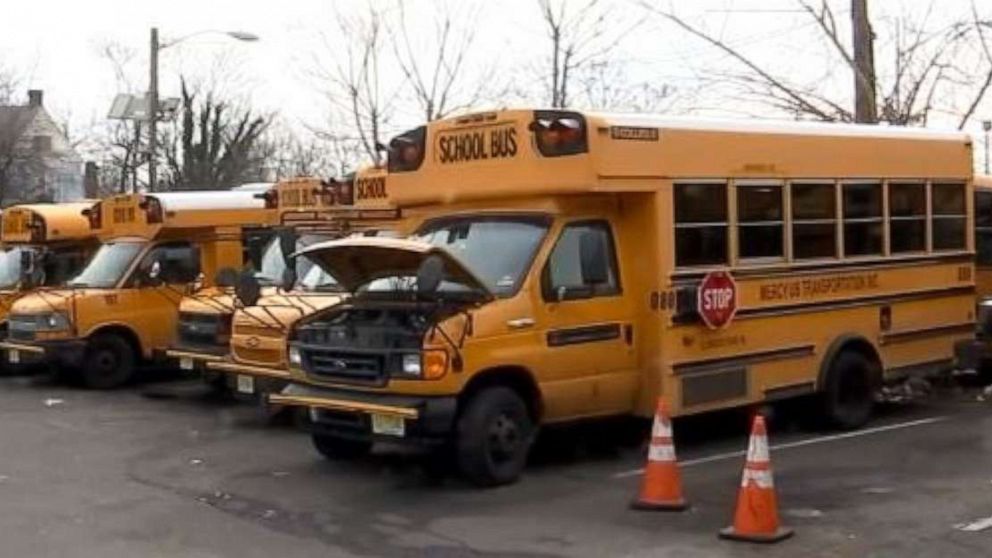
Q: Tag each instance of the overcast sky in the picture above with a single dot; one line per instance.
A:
(57, 45)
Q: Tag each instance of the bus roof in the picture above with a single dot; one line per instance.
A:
(46, 222)
(527, 153)
(237, 198)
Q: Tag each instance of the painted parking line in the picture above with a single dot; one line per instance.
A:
(798, 443)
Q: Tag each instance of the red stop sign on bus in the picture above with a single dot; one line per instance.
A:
(716, 299)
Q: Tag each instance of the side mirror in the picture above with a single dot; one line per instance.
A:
(429, 275)
(226, 277)
(594, 258)
(287, 244)
(247, 289)
(152, 275)
(289, 278)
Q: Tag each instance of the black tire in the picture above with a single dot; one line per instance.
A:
(494, 436)
(848, 395)
(108, 363)
(340, 449)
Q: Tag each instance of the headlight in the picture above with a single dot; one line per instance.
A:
(54, 321)
(295, 357)
(411, 364)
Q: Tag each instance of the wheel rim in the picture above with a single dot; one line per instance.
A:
(105, 363)
(505, 439)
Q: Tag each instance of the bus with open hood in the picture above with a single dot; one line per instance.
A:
(42, 246)
(121, 309)
(578, 265)
(269, 303)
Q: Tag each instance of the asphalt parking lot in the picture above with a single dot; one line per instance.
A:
(104, 474)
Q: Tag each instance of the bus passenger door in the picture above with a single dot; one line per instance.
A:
(591, 361)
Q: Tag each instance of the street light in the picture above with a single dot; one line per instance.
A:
(153, 89)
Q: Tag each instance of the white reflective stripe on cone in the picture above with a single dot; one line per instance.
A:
(763, 479)
(757, 449)
(661, 428)
(661, 453)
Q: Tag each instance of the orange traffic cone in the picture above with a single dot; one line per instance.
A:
(756, 517)
(661, 485)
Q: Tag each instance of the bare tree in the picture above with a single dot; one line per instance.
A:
(215, 143)
(11, 126)
(121, 139)
(581, 35)
(927, 72)
(352, 80)
(433, 63)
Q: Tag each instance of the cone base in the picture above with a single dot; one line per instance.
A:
(780, 534)
(668, 505)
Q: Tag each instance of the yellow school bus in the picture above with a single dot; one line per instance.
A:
(983, 235)
(577, 265)
(256, 363)
(122, 308)
(43, 246)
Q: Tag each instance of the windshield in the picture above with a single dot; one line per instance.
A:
(10, 267)
(273, 263)
(497, 249)
(108, 265)
(316, 279)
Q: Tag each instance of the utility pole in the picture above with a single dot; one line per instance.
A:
(153, 111)
(865, 109)
(987, 127)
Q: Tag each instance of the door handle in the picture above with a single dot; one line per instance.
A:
(520, 323)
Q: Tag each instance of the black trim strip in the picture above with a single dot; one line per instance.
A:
(787, 392)
(925, 332)
(679, 277)
(583, 334)
(917, 369)
(719, 363)
(853, 303)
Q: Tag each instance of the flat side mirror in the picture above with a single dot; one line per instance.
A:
(429, 275)
(226, 277)
(247, 289)
(287, 244)
(289, 278)
(594, 258)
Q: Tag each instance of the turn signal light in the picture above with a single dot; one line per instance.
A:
(435, 364)
(153, 210)
(406, 151)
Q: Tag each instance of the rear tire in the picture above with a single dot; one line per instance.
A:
(494, 436)
(340, 449)
(108, 363)
(848, 395)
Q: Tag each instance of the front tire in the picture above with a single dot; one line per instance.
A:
(848, 396)
(108, 363)
(340, 449)
(494, 436)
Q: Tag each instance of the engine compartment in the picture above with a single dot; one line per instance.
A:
(386, 329)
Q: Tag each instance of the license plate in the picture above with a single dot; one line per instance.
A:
(186, 363)
(246, 384)
(14, 356)
(390, 425)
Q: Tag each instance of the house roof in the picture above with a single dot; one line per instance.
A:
(14, 119)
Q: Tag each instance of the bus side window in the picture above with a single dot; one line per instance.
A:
(563, 277)
(862, 218)
(949, 216)
(983, 228)
(700, 224)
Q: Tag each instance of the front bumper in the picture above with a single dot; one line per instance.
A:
(62, 352)
(264, 379)
(970, 353)
(428, 420)
(193, 359)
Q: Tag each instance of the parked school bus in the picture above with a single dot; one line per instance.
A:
(43, 245)
(122, 308)
(976, 354)
(256, 362)
(577, 265)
